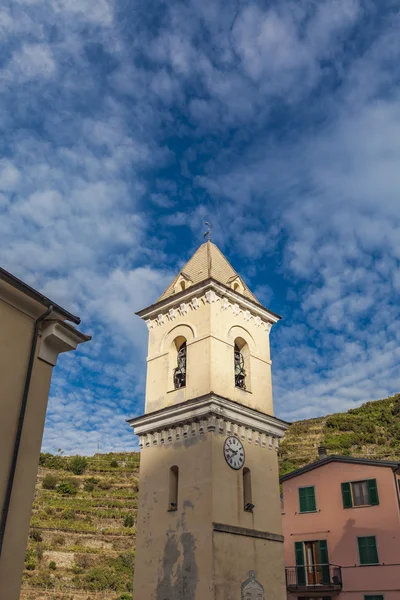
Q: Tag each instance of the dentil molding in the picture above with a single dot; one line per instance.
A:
(212, 415)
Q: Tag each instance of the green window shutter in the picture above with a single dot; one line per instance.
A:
(312, 505)
(300, 570)
(373, 492)
(346, 495)
(307, 499)
(368, 550)
(323, 552)
(302, 500)
(324, 558)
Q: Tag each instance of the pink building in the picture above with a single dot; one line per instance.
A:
(341, 522)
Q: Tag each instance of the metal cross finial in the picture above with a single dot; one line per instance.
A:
(208, 232)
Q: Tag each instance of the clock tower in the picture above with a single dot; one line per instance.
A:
(209, 524)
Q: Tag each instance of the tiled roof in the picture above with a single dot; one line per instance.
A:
(208, 262)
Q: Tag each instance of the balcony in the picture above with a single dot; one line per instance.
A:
(314, 580)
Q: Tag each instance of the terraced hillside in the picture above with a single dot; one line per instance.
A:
(82, 540)
(372, 430)
(82, 535)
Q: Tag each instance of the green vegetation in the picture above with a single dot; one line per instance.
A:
(35, 535)
(49, 482)
(372, 430)
(129, 520)
(78, 465)
(84, 526)
(67, 488)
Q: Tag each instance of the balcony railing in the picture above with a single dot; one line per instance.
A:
(310, 578)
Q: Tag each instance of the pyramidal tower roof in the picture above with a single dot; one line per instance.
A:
(209, 262)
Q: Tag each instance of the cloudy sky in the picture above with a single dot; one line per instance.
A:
(126, 124)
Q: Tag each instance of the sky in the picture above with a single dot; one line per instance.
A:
(125, 125)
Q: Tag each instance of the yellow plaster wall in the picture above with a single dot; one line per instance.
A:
(228, 489)
(171, 544)
(175, 548)
(235, 556)
(16, 333)
(210, 332)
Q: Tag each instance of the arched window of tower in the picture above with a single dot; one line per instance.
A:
(180, 369)
(240, 363)
(173, 488)
(247, 495)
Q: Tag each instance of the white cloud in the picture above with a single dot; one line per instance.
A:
(31, 61)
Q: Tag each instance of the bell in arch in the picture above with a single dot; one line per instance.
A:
(252, 589)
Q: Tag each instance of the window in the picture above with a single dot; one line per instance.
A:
(247, 496)
(367, 550)
(307, 499)
(240, 373)
(173, 488)
(360, 493)
(312, 563)
(374, 597)
(180, 370)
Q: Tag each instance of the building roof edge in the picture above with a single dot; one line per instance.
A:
(35, 295)
(337, 458)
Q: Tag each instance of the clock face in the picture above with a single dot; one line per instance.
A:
(234, 452)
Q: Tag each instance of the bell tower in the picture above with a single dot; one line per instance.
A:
(209, 525)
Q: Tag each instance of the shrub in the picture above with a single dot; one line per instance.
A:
(125, 596)
(78, 465)
(67, 488)
(125, 562)
(104, 484)
(94, 480)
(83, 561)
(128, 520)
(68, 514)
(88, 487)
(35, 535)
(77, 570)
(58, 540)
(30, 562)
(52, 565)
(342, 441)
(39, 551)
(52, 462)
(49, 482)
(102, 578)
(114, 463)
(43, 581)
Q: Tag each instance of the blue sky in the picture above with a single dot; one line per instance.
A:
(125, 125)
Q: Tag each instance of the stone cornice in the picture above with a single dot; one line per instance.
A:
(208, 414)
(58, 337)
(209, 292)
(199, 289)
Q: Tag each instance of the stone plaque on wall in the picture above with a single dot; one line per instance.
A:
(252, 589)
